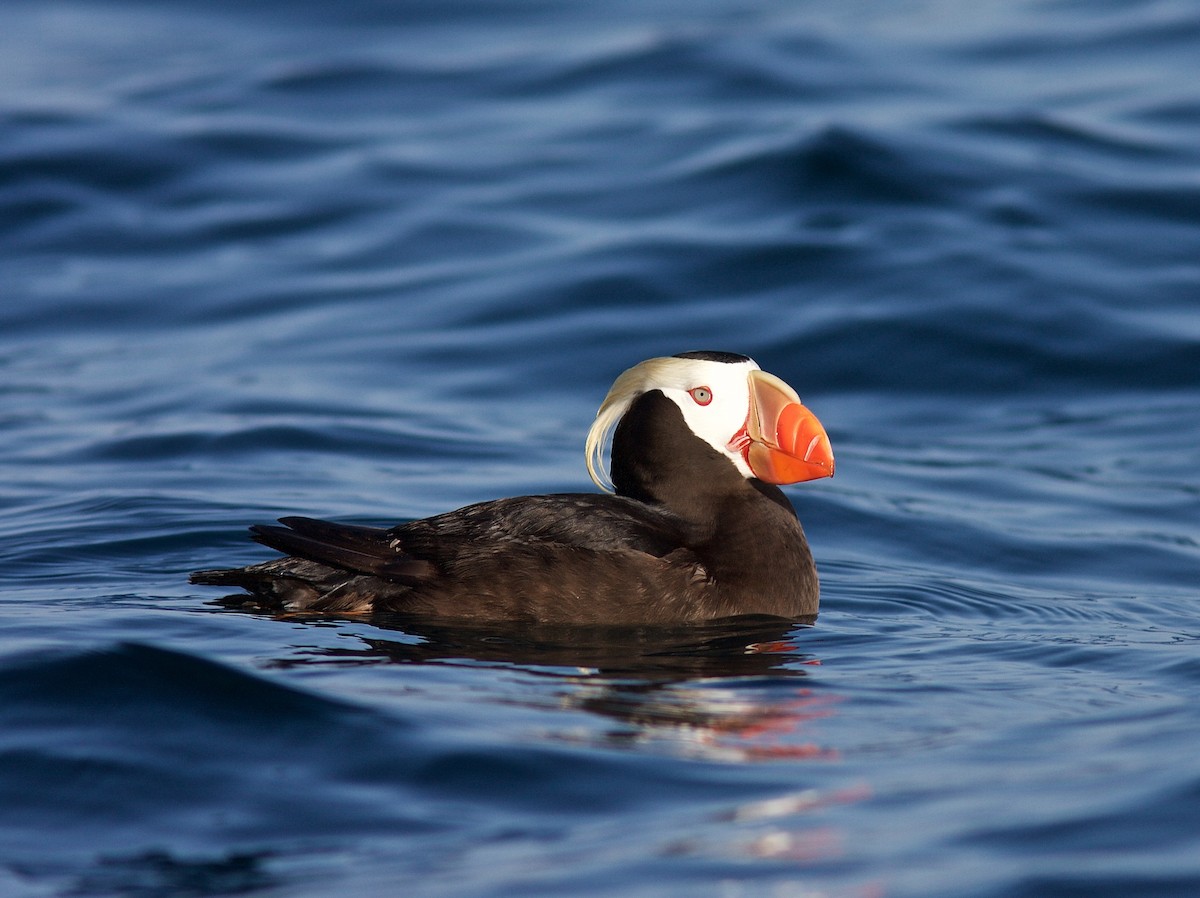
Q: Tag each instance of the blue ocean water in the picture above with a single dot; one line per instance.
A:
(372, 261)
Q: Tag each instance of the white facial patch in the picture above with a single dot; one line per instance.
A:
(725, 387)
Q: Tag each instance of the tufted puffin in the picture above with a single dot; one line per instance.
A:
(691, 525)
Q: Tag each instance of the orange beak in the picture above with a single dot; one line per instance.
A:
(782, 441)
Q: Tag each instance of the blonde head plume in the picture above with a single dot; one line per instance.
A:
(648, 375)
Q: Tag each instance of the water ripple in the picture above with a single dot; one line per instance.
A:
(375, 261)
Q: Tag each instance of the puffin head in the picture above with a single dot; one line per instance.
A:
(751, 417)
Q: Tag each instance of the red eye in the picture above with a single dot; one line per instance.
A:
(702, 395)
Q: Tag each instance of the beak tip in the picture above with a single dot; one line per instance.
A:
(820, 455)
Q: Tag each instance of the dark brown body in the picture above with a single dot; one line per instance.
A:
(686, 538)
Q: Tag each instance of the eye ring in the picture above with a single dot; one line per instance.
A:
(701, 395)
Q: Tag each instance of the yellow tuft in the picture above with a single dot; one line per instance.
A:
(651, 374)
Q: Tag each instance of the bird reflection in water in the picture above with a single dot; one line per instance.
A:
(731, 690)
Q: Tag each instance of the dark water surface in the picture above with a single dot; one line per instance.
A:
(373, 261)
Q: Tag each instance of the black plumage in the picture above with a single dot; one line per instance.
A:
(687, 536)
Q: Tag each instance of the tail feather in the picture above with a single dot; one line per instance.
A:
(362, 550)
(291, 542)
(265, 585)
(324, 568)
(350, 536)
(236, 576)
